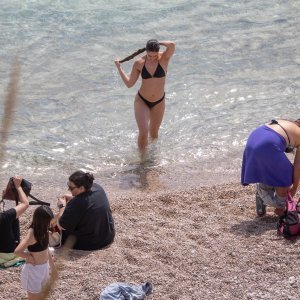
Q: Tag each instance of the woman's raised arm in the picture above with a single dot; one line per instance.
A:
(132, 78)
(170, 49)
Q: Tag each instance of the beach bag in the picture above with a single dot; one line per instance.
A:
(11, 193)
(288, 224)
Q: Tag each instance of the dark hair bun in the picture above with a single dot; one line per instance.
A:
(90, 176)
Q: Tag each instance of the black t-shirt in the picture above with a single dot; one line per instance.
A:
(8, 238)
(88, 216)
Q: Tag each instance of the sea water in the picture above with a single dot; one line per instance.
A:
(236, 66)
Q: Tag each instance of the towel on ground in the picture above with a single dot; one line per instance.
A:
(10, 260)
(125, 291)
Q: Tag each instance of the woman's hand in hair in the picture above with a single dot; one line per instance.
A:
(170, 48)
(117, 63)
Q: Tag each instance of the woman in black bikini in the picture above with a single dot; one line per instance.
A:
(149, 104)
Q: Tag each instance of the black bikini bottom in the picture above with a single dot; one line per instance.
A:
(149, 103)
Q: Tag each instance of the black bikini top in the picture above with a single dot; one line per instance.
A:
(289, 148)
(36, 247)
(159, 72)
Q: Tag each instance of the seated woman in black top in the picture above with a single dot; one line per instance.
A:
(9, 223)
(86, 214)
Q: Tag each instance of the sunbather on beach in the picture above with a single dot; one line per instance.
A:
(86, 214)
(265, 163)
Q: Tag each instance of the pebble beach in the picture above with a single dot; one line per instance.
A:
(200, 242)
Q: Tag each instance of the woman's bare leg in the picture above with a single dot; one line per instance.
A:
(281, 192)
(142, 116)
(156, 117)
(273, 196)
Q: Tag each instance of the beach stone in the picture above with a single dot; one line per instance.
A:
(292, 280)
(250, 295)
(251, 271)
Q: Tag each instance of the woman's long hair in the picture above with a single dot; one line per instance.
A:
(40, 224)
(80, 178)
(152, 46)
(133, 55)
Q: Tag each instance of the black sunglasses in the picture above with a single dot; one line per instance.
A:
(71, 188)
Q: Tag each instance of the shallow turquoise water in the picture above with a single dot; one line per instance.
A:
(236, 66)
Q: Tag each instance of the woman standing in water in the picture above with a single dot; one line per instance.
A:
(149, 104)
